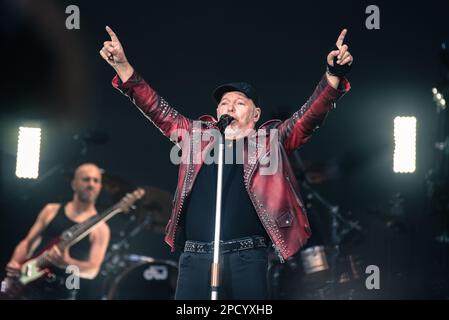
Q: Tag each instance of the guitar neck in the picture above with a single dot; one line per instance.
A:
(81, 230)
(77, 232)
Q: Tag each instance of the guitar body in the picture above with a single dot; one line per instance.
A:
(30, 272)
(38, 288)
(33, 269)
(36, 267)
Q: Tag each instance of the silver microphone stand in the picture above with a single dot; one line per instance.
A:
(224, 121)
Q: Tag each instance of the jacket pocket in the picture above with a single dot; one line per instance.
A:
(285, 220)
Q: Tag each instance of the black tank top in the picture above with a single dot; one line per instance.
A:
(55, 288)
(58, 225)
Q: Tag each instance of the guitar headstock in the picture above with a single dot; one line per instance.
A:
(126, 203)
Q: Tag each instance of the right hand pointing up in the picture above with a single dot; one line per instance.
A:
(114, 55)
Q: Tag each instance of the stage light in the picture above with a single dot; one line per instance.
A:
(28, 149)
(404, 158)
(439, 99)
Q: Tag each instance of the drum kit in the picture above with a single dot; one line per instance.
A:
(328, 267)
(308, 275)
(129, 276)
(139, 277)
(318, 271)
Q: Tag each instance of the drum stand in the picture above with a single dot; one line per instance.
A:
(113, 257)
(336, 236)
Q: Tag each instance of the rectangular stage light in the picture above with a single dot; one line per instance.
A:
(404, 159)
(28, 149)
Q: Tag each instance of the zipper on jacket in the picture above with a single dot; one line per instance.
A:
(178, 214)
(278, 252)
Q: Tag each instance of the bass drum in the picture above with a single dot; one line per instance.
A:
(303, 276)
(307, 275)
(144, 278)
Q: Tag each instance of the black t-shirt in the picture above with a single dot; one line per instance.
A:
(238, 216)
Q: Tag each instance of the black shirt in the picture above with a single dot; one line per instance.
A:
(55, 288)
(238, 216)
(58, 225)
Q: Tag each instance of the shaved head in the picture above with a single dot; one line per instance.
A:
(87, 167)
(86, 182)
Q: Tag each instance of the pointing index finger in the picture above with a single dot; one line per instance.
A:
(341, 37)
(111, 34)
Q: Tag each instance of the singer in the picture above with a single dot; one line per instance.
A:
(259, 211)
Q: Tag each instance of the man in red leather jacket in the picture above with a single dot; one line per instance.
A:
(260, 197)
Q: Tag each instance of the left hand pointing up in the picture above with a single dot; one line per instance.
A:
(342, 53)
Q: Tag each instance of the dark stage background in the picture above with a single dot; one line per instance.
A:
(55, 78)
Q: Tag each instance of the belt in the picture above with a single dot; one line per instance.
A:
(226, 246)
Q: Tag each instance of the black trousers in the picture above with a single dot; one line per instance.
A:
(243, 275)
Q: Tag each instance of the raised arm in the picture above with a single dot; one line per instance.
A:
(296, 130)
(114, 54)
(150, 103)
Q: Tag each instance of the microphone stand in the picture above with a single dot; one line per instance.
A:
(224, 121)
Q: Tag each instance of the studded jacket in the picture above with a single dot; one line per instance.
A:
(275, 196)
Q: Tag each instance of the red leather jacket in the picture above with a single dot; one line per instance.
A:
(274, 196)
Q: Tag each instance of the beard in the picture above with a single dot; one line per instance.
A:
(235, 130)
(87, 196)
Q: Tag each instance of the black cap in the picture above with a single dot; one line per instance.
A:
(242, 87)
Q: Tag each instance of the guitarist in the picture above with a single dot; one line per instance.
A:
(87, 255)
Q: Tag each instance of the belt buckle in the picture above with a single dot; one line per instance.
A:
(246, 244)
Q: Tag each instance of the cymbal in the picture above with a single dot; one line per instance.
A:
(158, 204)
(153, 209)
(116, 185)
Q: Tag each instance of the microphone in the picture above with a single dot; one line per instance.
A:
(224, 121)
